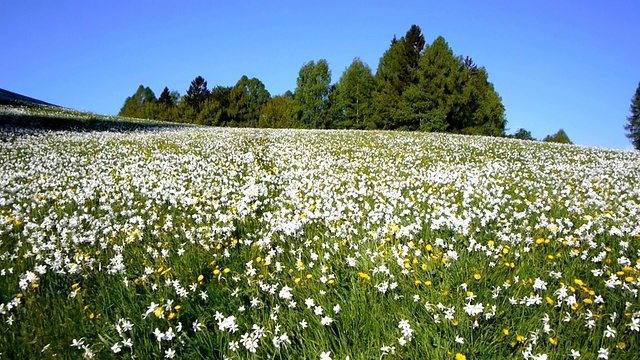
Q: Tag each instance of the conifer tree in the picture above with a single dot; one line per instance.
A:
(633, 127)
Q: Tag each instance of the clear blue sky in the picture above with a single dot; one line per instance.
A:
(556, 64)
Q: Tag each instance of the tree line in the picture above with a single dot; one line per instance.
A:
(417, 86)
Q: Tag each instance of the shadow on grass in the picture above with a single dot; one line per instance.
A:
(97, 123)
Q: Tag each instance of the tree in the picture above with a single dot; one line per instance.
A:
(278, 112)
(352, 101)
(134, 105)
(633, 127)
(458, 91)
(413, 46)
(197, 94)
(312, 93)
(559, 137)
(523, 134)
(166, 98)
(246, 99)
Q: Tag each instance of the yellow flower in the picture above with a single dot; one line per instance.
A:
(258, 259)
(178, 308)
(505, 332)
(477, 276)
(297, 281)
(428, 283)
(588, 301)
(553, 341)
(364, 276)
(549, 300)
(226, 270)
(429, 248)
(520, 338)
(621, 345)
(460, 357)
(216, 272)
(201, 278)
(424, 267)
(418, 282)
(158, 312)
(309, 276)
(171, 316)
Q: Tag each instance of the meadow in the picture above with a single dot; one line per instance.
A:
(192, 242)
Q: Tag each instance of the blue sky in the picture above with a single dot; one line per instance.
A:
(556, 64)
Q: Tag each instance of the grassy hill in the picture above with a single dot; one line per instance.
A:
(22, 111)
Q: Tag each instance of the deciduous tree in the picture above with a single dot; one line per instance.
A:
(312, 93)
(352, 104)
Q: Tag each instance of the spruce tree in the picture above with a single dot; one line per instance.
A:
(633, 127)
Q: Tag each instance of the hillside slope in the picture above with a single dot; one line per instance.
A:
(10, 98)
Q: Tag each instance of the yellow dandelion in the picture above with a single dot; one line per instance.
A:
(460, 357)
(477, 276)
(549, 300)
(505, 332)
(364, 276)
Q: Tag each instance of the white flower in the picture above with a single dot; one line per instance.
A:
(116, 348)
(233, 345)
(575, 354)
(325, 355)
(603, 353)
(336, 309)
(326, 321)
(309, 302)
(197, 326)
(285, 293)
(610, 332)
(169, 354)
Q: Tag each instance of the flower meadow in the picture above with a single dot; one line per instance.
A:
(288, 244)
